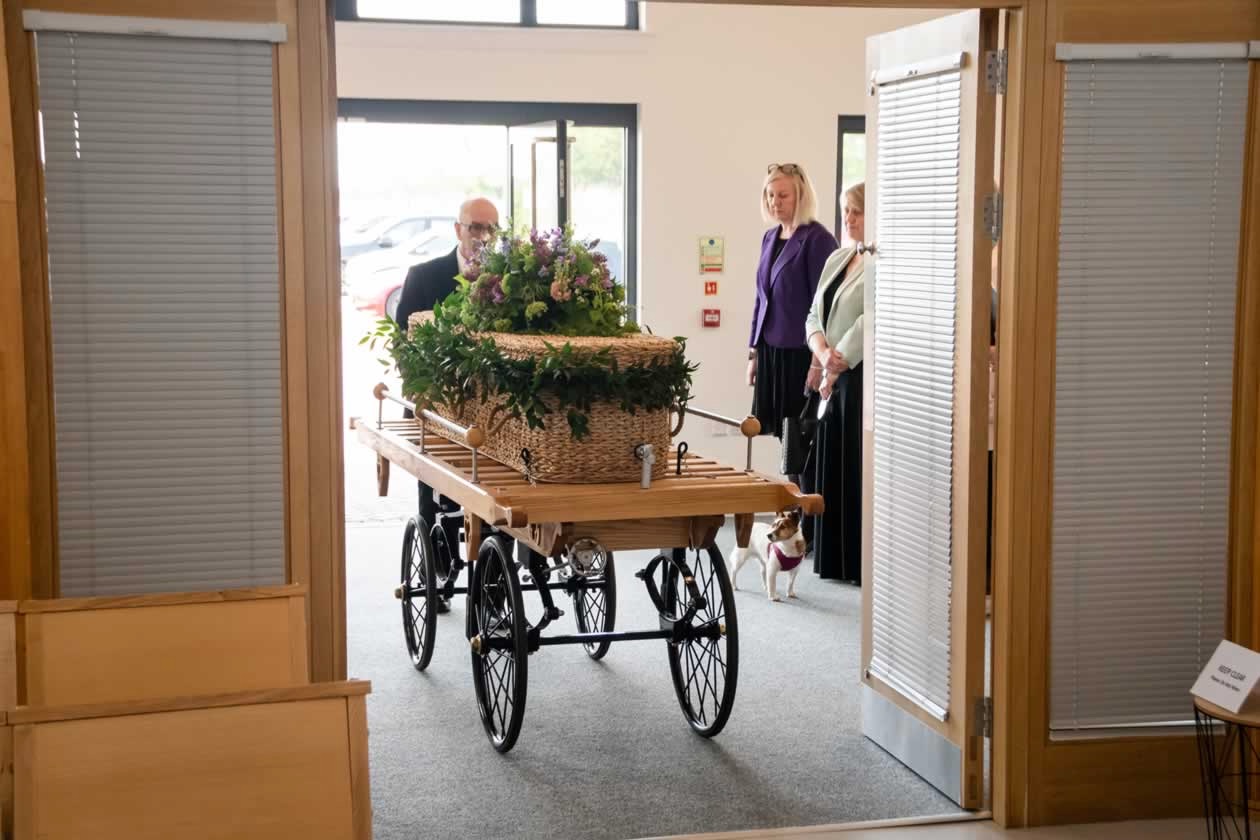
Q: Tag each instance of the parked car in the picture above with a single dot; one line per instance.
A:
(374, 281)
(388, 232)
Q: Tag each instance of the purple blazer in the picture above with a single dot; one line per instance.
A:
(786, 289)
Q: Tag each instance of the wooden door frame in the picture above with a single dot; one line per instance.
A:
(1026, 771)
(306, 114)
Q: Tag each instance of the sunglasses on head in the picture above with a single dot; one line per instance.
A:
(785, 168)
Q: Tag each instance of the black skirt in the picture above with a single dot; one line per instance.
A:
(835, 465)
(780, 387)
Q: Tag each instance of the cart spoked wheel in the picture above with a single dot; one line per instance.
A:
(496, 633)
(595, 608)
(418, 593)
(443, 556)
(705, 663)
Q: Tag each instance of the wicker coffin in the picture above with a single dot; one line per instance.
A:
(607, 453)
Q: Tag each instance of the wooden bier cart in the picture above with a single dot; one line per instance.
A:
(564, 537)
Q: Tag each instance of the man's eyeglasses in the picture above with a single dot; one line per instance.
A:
(478, 228)
(785, 168)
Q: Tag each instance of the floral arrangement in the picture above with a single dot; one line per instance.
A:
(543, 282)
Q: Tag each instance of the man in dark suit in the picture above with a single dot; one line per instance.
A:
(430, 282)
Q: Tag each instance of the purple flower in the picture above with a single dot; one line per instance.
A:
(599, 258)
(581, 280)
(499, 297)
(608, 284)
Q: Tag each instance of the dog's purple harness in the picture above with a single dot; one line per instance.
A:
(786, 563)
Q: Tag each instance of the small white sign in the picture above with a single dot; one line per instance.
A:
(1229, 677)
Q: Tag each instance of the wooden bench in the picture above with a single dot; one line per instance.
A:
(285, 762)
(107, 649)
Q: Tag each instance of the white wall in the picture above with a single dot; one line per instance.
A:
(721, 90)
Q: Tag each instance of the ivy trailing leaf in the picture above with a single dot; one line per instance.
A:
(443, 363)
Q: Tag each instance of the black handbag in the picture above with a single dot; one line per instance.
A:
(798, 436)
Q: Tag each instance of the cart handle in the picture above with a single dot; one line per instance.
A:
(474, 438)
(749, 427)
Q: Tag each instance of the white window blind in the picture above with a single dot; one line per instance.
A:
(163, 262)
(1148, 263)
(915, 321)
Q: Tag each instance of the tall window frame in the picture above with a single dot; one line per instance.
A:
(847, 125)
(347, 10)
(453, 112)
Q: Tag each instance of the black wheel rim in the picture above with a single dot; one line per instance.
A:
(496, 618)
(419, 608)
(595, 608)
(705, 671)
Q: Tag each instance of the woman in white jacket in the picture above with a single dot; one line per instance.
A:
(834, 333)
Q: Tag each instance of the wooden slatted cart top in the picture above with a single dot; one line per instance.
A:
(503, 496)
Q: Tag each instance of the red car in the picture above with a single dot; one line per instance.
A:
(374, 280)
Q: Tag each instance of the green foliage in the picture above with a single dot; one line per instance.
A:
(443, 363)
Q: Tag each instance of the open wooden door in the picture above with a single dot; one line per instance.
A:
(930, 137)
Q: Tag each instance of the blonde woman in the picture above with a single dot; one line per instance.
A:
(834, 333)
(793, 252)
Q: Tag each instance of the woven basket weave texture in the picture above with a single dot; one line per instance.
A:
(607, 454)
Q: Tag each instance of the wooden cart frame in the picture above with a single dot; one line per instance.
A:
(565, 537)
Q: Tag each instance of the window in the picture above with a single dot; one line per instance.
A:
(163, 260)
(1144, 384)
(610, 14)
(850, 164)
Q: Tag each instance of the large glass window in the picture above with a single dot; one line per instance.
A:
(850, 164)
(616, 14)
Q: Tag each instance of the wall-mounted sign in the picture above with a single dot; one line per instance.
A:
(710, 287)
(711, 318)
(712, 255)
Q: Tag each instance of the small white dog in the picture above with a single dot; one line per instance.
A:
(779, 547)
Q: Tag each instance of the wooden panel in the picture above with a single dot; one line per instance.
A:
(8, 656)
(279, 769)
(149, 706)
(943, 5)
(147, 651)
(1021, 433)
(6, 779)
(622, 534)
(306, 113)
(1154, 21)
(15, 461)
(257, 11)
(1244, 537)
(160, 599)
(1037, 781)
(1120, 779)
(360, 787)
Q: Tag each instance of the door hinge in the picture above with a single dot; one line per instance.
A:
(984, 716)
(993, 215)
(995, 71)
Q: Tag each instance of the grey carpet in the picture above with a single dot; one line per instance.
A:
(604, 751)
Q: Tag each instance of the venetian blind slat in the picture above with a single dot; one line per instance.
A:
(165, 300)
(1148, 245)
(914, 325)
